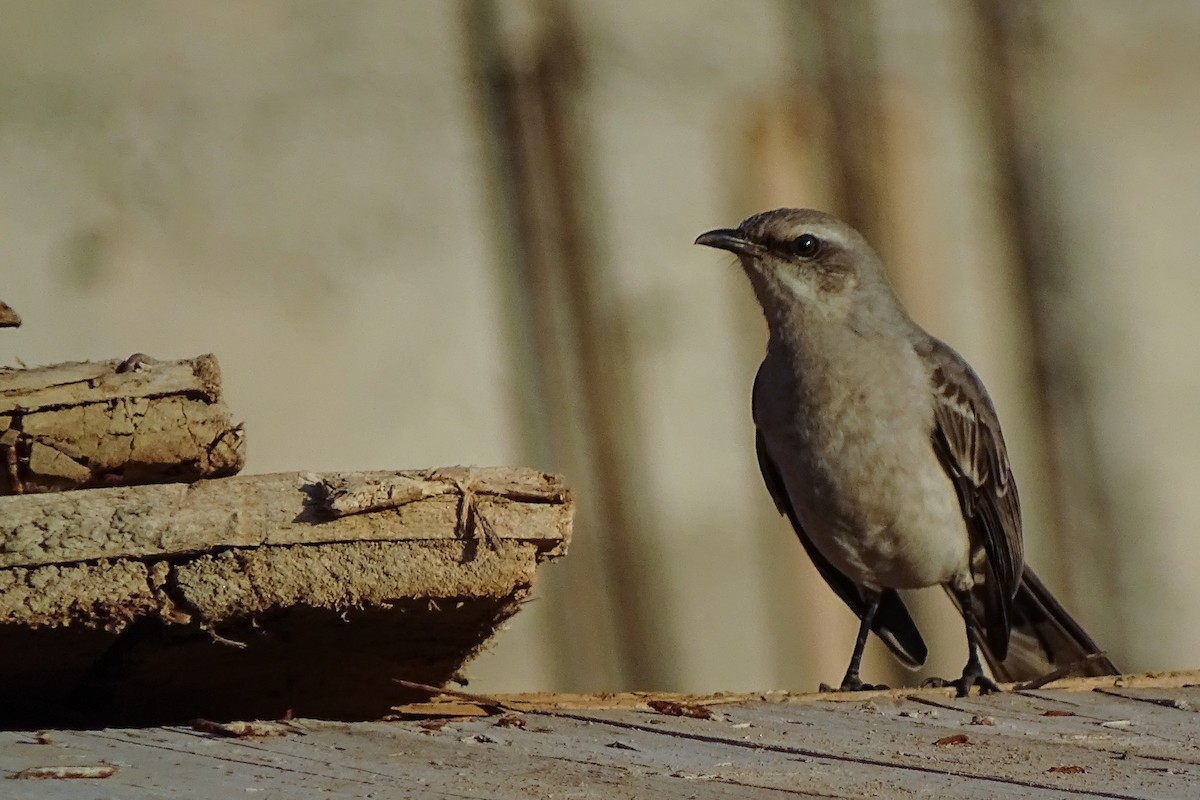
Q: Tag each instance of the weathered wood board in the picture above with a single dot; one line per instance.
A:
(256, 595)
(115, 423)
(1137, 738)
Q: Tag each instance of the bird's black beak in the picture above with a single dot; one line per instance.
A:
(731, 240)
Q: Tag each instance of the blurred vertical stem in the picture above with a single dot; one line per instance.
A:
(1011, 60)
(578, 409)
(849, 79)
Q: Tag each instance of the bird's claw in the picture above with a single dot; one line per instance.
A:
(962, 686)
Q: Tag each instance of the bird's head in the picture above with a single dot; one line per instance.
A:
(806, 263)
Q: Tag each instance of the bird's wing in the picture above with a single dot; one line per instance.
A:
(892, 623)
(966, 435)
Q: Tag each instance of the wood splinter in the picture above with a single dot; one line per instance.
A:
(8, 317)
(64, 772)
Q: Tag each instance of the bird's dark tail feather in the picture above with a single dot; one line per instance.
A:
(1045, 638)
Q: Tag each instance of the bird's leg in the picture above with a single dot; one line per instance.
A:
(852, 682)
(973, 672)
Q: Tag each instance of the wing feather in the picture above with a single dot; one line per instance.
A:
(967, 438)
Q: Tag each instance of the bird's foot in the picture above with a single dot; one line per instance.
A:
(852, 683)
(962, 686)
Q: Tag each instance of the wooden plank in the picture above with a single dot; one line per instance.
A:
(115, 423)
(1075, 753)
(803, 746)
(477, 759)
(282, 508)
(220, 549)
(255, 595)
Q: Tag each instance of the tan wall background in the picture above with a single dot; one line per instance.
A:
(423, 233)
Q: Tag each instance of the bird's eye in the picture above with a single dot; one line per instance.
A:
(806, 245)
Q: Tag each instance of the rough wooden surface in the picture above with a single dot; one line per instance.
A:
(1136, 737)
(112, 423)
(253, 595)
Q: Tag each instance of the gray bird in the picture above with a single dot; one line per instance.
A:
(880, 445)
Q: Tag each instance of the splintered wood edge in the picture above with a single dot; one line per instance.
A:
(363, 492)
(555, 701)
(486, 504)
(8, 317)
(86, 382)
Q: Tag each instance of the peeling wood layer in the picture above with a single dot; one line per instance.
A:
(115, 423)
(145, 522)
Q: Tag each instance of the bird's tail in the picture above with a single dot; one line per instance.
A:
(1045, 638)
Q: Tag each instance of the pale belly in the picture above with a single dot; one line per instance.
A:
(878, 506)
(908, 534)
(859, 465)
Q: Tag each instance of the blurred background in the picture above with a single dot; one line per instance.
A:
(426, 233)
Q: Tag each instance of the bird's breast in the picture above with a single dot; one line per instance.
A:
(854, 451)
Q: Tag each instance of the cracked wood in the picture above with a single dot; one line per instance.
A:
(125, 601)
(146, 522)
(113, 423)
